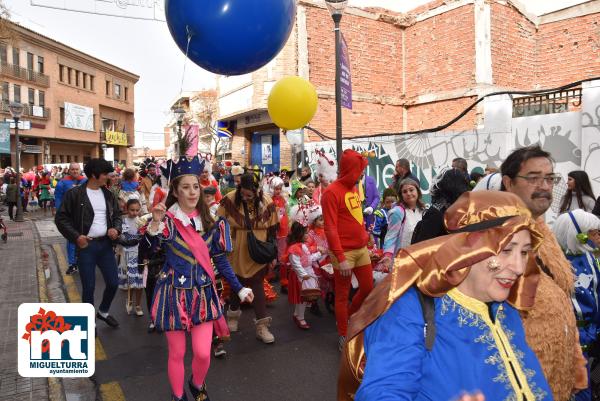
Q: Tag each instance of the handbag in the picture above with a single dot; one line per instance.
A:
(261, 252)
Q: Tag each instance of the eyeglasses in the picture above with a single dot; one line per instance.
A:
(537, 180)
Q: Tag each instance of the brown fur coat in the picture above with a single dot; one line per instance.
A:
(550, 325)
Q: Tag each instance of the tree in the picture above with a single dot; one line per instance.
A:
(206, 114)
(7, 31)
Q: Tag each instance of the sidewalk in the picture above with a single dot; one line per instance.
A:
(18, 284)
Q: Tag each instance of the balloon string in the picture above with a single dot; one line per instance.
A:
(187, 49)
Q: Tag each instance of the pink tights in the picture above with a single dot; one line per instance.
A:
(201, 342)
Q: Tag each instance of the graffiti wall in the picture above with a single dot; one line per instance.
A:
(573, 138)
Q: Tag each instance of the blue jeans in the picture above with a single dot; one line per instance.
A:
(71, 253)
(98, 253)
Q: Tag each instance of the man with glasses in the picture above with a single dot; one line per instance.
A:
(550, 326)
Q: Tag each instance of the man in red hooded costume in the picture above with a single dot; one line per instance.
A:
(347, 238)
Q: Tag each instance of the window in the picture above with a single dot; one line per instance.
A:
(61, 158)
(107, 88)
(61, 73)
(5, 92)
(126, 93)
(76, 78)
(76, 159)
(84, 80)
(68, 158)
(117, 91)
(62, 120)
(42, 99)
(29, 61)
(91, 82)
(17, 93)
(16, 56)
(31, 96)
(69, 73)
(40, 64)
(3, 54)
(53, 159)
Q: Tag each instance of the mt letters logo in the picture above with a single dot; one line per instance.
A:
(56, 340)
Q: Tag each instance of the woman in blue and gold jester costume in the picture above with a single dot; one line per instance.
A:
(447, 319)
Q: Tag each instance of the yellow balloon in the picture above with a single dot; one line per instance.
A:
(292, 103)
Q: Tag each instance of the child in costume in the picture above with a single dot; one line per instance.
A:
(577, 232)
(129, 188)
(275, 190)
(298, 196)
(381, 224)
(326, 174)
(209, 197)
(323, 266)
(186, 298)
(303, 284)
(130, 277)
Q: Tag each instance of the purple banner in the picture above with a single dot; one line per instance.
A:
(345, 76)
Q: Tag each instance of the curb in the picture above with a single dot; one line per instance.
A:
(55, 387)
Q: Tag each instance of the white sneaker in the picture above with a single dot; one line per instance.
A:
(139, 311)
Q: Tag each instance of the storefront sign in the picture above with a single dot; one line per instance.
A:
(266, 144)
(116, 138)
(23, 124)
(251, 120)
(32, 149)
(79, 117)
(4, 137)
(345, 76)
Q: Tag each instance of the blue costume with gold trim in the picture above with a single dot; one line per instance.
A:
(477, 346)
(185, 295)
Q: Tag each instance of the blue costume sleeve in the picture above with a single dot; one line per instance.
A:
(219, 246)
(395, 350)
(58, 194)
(393, 237)
(380, 221)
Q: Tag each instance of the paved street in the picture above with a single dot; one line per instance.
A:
(131, 364)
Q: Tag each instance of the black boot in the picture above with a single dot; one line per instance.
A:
(315, 310)
(199, 394)
(330, 302)
(183, 397)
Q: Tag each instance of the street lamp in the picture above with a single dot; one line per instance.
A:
(16, 110)
(179, 113)
(336, 9)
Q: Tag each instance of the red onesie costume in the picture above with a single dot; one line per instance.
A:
(347, 237)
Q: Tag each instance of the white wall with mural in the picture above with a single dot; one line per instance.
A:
(573, 139)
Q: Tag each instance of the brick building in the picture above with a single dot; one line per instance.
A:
(416, 70)
(77, 106)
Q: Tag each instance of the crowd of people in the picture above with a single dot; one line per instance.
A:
(471, 291)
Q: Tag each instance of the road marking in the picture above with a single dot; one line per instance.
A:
(72, 291)
(100, 354)
(111, 391)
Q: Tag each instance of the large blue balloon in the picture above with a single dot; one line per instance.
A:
(231, 37)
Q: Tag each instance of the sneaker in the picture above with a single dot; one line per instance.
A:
(111, 321)
(219, 351)
(72, 269)
(129, 307)
(341, 342)
(151, 328)
(139, 311)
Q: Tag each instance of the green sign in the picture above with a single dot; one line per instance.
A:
(4, 137)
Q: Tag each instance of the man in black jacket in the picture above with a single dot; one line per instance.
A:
(89, 216)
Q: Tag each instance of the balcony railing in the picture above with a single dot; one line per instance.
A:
(28, 110)
(25, 74)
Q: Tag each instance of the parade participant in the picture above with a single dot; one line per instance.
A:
(369, 196)
(401, 172)
(209, 197)
(305, 174)
(12, 196)
(45, 189)
(380, 227)
(130, 188)
(237, 171)
(207, 181)
(447, 318)
(347, 239)
(114, 184)
(132, 280)
(303, 282)
(447, 187)
(392, 242)
(310, 188)
(249, 210)
(186, 299)
(550, 325)
(89, 216)
(148, 174)
(323, 267)
(411, 199)
(73, 179)
(326, 174)
(275, 191)
(577, 232)
(298, 194)
(579, 193)
(286, 176)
